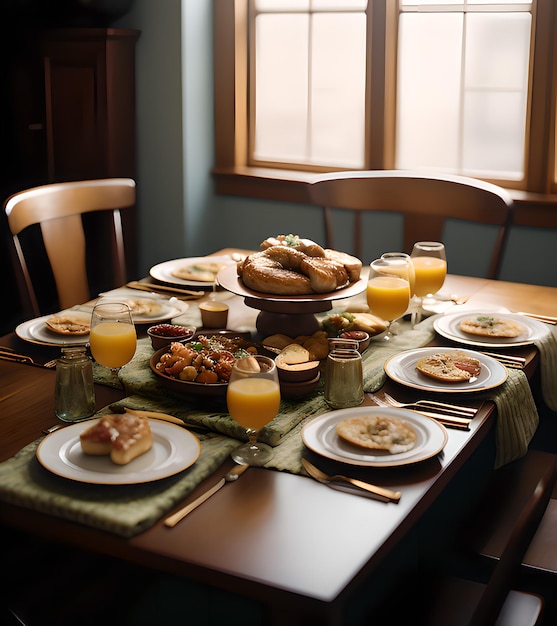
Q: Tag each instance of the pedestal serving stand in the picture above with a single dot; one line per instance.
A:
(290, 315)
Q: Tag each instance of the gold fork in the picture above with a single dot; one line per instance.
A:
(434, 405)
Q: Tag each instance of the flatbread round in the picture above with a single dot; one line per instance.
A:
(378, 433)
(449, 366)
(489, 326)
(68, 325)
(201, 272)
(144, 306)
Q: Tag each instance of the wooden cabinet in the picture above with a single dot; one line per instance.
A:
(89, 77)
(68, 114)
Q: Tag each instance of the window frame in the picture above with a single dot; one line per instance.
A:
(235, 175)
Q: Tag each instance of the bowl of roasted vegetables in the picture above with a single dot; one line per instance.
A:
(201, 366)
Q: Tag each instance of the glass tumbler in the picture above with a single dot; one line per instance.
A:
(74, 392)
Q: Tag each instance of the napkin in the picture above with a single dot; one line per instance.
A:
(517, 417)
(547, 346)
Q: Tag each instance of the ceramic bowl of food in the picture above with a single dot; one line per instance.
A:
(163, 334)
(360, 336)
(202, 365)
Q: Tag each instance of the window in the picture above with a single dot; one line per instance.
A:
(460, 86)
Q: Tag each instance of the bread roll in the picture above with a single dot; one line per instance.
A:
(123, 436)
(68, 324)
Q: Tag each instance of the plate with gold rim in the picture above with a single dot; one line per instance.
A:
(402, 369)
(174, 450)
(165, 272)
(320, 436)
(448, 326)
(36, 331)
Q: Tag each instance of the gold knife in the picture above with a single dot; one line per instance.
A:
(134, 284)
(232, 475)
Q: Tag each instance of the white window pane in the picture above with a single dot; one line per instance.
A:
(421, 3)
(505, 41)
(338, 4)
(428, 95)
(495, 97)
(338, 89)
(281, 78)
(306, 5)
(510, 2)
(493, 138)
(282, 5)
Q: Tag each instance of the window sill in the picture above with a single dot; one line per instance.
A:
(531, 209)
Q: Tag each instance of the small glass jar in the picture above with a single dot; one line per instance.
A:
(344, 385)
(74, 392)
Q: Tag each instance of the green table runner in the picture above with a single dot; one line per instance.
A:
(128, 510)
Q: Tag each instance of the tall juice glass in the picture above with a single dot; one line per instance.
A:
(388, 290)
(430, 268)
(253, 399)
(406, 267)
(112, 337)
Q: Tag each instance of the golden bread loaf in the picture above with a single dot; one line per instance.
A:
(123, 436)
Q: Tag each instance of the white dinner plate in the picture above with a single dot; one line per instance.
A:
(402, 369)
(164, 310)
(320, 436)
(448, 327)
(163, 271)
(35, 331)
(174, 449)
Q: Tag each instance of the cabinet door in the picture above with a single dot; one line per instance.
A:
(90, 103)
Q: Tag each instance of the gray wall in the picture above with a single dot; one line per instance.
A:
(180, 215)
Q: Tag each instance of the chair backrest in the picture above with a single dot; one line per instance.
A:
(524, 528)
(425, 201)
(58, 209)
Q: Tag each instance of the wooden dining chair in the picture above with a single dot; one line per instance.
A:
(425, 202)
(459, 601)
(59, 209)
(491, 523)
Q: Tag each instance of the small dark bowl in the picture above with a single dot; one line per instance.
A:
(289, 391)
(360, 336)
(298, 373)
(163, 334)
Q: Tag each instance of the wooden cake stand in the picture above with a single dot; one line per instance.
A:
(290, 315)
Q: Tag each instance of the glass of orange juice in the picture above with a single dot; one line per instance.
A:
(430, 268)
(112, 337)
(388, 289)
(253, 399)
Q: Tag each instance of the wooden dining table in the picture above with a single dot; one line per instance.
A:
(301, 549)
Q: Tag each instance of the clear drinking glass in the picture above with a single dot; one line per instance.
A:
(253, 399)
(388, 290)
(112, 337)
(430, 269)
(344, 385)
